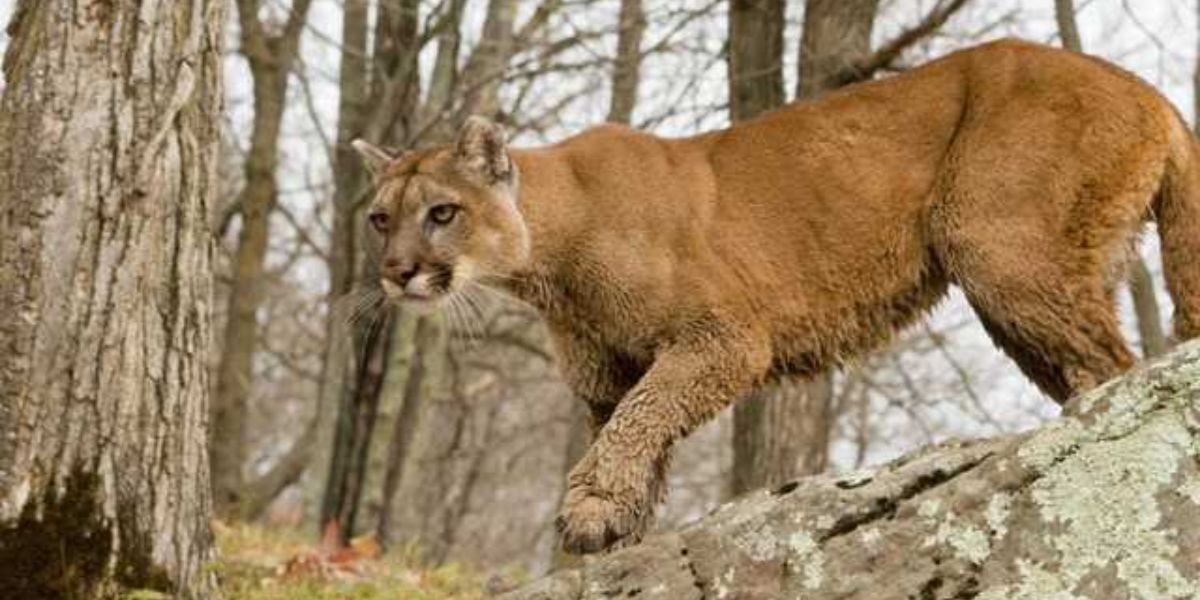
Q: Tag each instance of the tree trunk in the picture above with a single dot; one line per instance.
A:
(442, 80)
(766, 423)
(482, 74)
(371, 106)
(755, 57)
(1101, 506)
(108, 157)
(270, 59)
(628, 63)
(349, 179)
(623, 100)
(426, 481)
(421, 481)
(408, 381)
(419, 484)
(1145, 306)
(355, 426)
(837, 35)
(782, 430)
(1141, 284)
(1068, 32)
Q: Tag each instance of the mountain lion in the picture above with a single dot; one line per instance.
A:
(678, 274)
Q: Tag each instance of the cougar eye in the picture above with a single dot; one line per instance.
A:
(442, 214)
(378, 220)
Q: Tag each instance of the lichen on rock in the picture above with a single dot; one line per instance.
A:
(1102, 504)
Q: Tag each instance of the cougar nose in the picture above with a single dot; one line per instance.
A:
(399, 271)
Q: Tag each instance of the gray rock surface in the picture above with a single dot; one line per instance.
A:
(1103, 505)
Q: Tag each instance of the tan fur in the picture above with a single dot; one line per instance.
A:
(677, 274)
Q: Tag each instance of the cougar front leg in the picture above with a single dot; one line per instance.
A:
(596, 375)
(612, 491)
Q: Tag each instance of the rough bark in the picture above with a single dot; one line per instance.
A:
(108, 161)
(1103, 505)
(270, 57)
(1141, 284)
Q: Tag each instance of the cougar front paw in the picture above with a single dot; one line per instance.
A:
(589, 523)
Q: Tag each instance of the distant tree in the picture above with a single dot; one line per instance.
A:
(626, 77)
(836, 38)
(421, 497)
(626, 74)
(378, 92)
(430, 473)
(755, 58)
(782, 430)
(767, 425)
(108, 155)
(270, 56)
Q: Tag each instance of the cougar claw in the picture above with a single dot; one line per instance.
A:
(591, 524)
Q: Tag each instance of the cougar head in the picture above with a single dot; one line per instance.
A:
(443, 218)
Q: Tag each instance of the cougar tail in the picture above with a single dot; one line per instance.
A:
(1178, 216)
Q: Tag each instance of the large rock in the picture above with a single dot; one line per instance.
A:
(1105, 505)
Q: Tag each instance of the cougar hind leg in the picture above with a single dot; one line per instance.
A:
(1049, 309)
(1045, 297)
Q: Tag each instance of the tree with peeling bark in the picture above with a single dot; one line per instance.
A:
(270, 57)
(1100, 505)
(108, 144)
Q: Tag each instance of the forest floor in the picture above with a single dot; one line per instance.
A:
(258, 563)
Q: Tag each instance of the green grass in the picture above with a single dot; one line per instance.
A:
(253, 559)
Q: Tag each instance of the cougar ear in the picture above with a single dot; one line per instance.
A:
(375, 158)
(481, 151)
